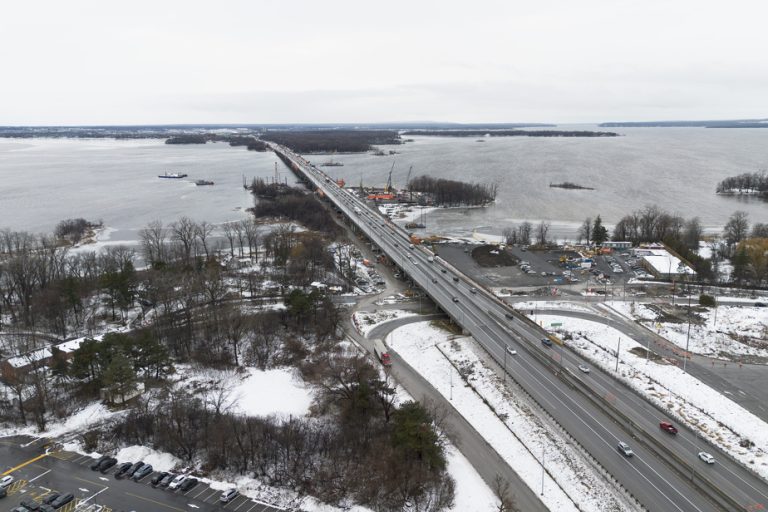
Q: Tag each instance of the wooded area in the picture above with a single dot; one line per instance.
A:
(747, 183)
(332, 141)
(453, 193)
(510, 133)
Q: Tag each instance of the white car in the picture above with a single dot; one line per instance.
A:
(706, 457)
(6, 481)
(511, 351)
(176, 482)
(228, 495)
(584, 368)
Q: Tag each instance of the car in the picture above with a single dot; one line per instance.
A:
(434, 280)
(51, 498)
(625, 449)
(707, 457)
(95, 464)
(46, 508)
(177, 481)
(188, 484)
(62, 500)
(30, 504)
(584, 368)
(122, 469)
(759, 304)
(455, 279)
(6, 481)
(134, 468)
(142, 472)
(455, 299)
(228, 495)
(511, 351)
(107, 464)
(443, 271)
(167, 479)
(3, 492)
(158, 478)
(473, 290)
(668, 427)
(19, 509)
(509, 316)
(546, 341)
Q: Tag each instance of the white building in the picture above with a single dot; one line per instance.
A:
(663, 264)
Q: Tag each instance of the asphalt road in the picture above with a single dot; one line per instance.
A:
(669, 479)
(36, 477)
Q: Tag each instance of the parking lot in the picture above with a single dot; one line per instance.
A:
(37, 475)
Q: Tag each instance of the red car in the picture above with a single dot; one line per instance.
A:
(665, 425)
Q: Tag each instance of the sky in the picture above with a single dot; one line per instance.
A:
(81, 62)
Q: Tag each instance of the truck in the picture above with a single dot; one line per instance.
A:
(415, 240)
(381, 352)
(357, 210)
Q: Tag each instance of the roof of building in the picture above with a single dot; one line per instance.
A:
(665, 263)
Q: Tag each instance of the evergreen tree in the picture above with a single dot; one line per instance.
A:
(599, 232)
(120, 376)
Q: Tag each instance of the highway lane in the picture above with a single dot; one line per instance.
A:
(658, 485)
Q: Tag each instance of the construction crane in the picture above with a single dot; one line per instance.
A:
(388, 190)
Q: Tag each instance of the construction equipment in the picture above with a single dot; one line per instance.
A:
(388, 189)
(408, 184)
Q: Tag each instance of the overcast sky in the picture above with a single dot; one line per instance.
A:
(286, 61)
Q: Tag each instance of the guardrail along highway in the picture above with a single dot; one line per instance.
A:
(665, 473)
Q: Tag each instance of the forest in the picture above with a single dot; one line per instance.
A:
(511, 133)
(747, 183)
(453, 193)
(332, 141)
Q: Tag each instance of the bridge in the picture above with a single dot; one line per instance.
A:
(596, 410)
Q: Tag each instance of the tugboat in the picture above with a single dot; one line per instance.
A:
(201, 183)
(173, 175)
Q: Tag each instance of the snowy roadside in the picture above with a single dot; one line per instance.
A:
(505, 420)
(718, 419)
(366, 321)
(533, 305)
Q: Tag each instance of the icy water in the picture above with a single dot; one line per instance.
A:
(45, 180)
(675, 168)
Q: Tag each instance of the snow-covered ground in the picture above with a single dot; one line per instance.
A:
(160, 461)
(561, 305)
(720, 420)
(276, 391)
(81, 421)
(736, 331)
(520, 436)
(365, 321)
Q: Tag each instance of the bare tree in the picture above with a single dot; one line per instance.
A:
(736, 229)
(220, 394)
(503, 491)
(184, 232)
(585, 231)
(524, 231)
(203, 232)
(541, 233)
(229, 233)
(153, 242)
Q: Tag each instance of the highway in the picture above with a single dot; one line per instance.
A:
(665, 473)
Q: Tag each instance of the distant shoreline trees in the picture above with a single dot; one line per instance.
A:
(510, 133)
(747, 183)
(454, 193)
(330, 141)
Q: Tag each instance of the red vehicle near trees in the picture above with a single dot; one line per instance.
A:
(667, 426)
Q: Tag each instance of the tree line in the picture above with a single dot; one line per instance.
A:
(511, 133)
(332, 141)
(453, 193)
(747, 183)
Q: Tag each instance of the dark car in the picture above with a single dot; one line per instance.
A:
(95, 464)
(46, 508)
(3, 492)
(122, 469)
(158, 478)
(107, 464)
(546, 341)
(62, 500)
(668, 427)
(759, 304)
(167, 479)
(509, 316)
(188, 484)
(142, 472)
(134, 468)
(50, 498)
(455, 279)
(30, 504)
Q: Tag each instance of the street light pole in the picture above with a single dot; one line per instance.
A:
(543, 448)
(618, 348)
(505, 366)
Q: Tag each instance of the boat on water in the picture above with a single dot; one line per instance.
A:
(201, 183)
(173, 175)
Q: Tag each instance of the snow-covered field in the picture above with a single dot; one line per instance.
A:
(738, 330)
(543, 304)
(520, 436)
(277, 391)
(717, 418)
(365, 321)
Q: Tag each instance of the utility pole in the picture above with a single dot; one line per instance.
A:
(618, 348)
(543, 449)
(505, 365)
(688, 336)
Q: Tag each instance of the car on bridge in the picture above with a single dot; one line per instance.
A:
(625, 449)
(668, 427)
(511, 351)
(584, 368)
(546, 341)
(707, 457)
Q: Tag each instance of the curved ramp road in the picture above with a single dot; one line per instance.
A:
(665, 473)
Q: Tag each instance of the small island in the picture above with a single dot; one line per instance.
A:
(510, 133)
(753, 184)
(570, 186)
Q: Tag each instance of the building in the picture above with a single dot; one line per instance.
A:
(618, 245)
(662, 263)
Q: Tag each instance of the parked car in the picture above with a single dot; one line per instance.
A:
(759, 304)
(177, 481)
(107, 464)
(707, 457)
(142, 472)
(3, 492)
(584, 368)
(46, 508)
(625, 449)
(122, 469)
(511, 351)
(228, 495)
(134, 468)
(158, 478)
(62, 500)
(668, 427)
(167, 479)
(188, 484)
(6, 481)
(546, 341)
(95, 464)
(51, 498)
(30, 504)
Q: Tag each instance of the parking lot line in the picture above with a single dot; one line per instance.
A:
(41, 474)
(246, 500)
(27, 463)
(252, 507)
(155, 502)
